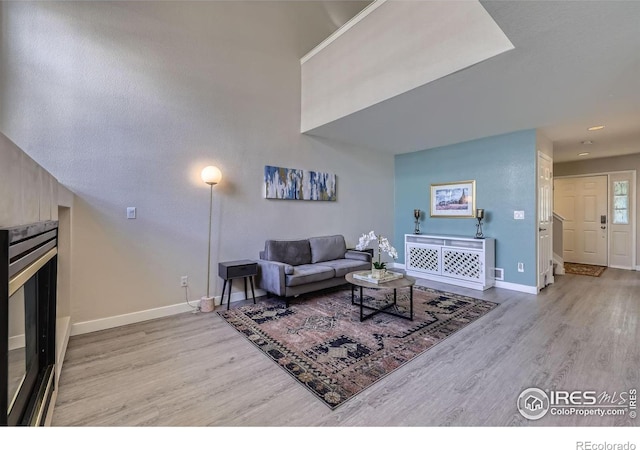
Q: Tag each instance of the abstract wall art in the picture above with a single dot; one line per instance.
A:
(296, 184)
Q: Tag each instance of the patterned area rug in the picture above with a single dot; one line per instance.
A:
(583, 269)
(320, 341)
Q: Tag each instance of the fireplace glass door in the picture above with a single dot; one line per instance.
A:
(23, 347)
(28, 270)
(17, 346)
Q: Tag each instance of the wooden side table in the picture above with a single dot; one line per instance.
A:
(229, 270)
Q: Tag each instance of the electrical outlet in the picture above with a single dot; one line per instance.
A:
(184, 281)
(520, 267)
(131, 212)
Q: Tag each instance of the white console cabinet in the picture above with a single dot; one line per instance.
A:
(459, 260)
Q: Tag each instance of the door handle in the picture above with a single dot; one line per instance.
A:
(603, 228)
(542, 229)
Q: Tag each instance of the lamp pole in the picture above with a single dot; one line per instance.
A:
(212, 176)
(209, 247)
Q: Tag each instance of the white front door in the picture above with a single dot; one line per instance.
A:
(622, 214)
(545, 221)
(583, 203)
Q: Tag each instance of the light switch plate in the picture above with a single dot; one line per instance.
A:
(518, 215)
(131, 212)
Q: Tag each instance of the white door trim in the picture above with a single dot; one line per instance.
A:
(595, 174)
(634, 229)
(540, 284)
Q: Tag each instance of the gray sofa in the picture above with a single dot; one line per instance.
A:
(291, 268)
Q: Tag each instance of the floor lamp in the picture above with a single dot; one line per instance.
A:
(212, 176)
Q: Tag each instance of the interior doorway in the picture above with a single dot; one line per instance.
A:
(599, 225)
(582, 201)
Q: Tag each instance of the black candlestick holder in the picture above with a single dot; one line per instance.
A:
(479, 234)
(416, 215)
(479, 217)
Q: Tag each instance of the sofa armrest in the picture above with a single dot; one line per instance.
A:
(354, 254)
(271, 276)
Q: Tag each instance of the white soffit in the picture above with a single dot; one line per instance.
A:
(390, 48)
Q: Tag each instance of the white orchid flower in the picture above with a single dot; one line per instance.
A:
(383, 244)
(365, 239)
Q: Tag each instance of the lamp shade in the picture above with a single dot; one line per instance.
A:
(211, 175)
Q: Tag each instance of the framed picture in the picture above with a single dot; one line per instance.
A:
(453, 200)
(297, 184)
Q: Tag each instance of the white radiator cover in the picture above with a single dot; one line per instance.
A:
(458, 260)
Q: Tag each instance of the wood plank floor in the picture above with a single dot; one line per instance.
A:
(195, 370)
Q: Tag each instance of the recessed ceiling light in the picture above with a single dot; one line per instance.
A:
(596, 128)
(583, 154)
(587, 142)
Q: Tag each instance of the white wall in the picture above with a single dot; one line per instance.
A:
(544, 144)
(126, 101)
(393, 47)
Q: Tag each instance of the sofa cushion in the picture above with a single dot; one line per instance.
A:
(294, 253)
(355, 254)
(309, 273)
(344, 266)
(327, 248)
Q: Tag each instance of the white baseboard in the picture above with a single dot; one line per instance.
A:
(398, 266)
(16, 342)
(559, 262)
(63, 332)
(637, 267)
(516, 287)
(49, 417)
(125, 319)
(140, 316)
(238, 296)
(623, 267)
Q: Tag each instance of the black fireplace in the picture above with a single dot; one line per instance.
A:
(28, 271)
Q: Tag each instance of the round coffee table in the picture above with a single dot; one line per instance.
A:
(393, 284)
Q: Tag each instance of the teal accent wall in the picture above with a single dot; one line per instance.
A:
(504, 168)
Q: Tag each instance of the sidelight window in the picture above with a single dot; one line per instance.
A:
(621, 202)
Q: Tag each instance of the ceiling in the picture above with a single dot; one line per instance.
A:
(575, 64)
